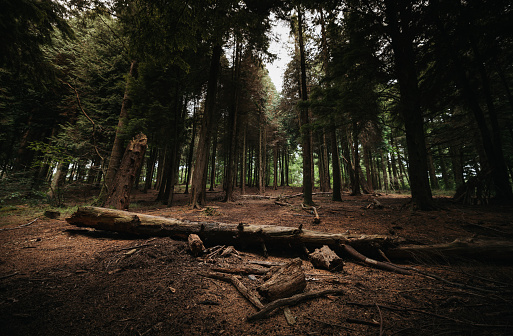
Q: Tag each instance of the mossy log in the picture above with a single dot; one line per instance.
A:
(220, 233)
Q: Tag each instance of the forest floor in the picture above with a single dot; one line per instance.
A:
(56, 279)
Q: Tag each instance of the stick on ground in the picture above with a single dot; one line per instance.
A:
(293, 300)
(239, 285)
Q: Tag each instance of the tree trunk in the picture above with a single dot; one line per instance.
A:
(355, 183)
(213, 158)
(199, 176)
(432, 173)
(384, 164)
(275, 166)
(305, 121)
(230, 167)
(243, 164)
(116, 153)
(150, 169)
(399, 20)
(337, 178)
(57, 182)
(191, 152)
(261, 158)
(119, 196)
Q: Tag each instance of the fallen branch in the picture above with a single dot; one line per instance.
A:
(317, 219)
(293, 300)
(20, 226)
(378, 264)
(239, 285)
(301, 194)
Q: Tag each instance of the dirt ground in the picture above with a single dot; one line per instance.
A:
(56, 279)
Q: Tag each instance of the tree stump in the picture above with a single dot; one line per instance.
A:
(195, 245)
(119, 191)
(283, 281)
(325, 258)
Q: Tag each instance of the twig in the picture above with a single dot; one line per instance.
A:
(239, 285)
(455, 284)
(20, 226)
(380, 321)
(293, 300)
(8, 275)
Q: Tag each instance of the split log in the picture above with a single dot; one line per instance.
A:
(325, 258)
(488, 250)
(283, 281)
(195, 245)
(222, 233)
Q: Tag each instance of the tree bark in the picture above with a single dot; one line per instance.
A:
(221, 233)
(283, 281)
(199, 176)
(119, 196)
(117, 148)
(399, 20)
(191, 152)
(337, 178)
(305, 121)
(230, 169)
(243, 164)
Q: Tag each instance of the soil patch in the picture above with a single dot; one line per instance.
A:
(56, 279)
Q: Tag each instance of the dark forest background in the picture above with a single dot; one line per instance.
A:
(379, 96)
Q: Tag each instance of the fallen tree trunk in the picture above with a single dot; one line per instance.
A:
(223, 233)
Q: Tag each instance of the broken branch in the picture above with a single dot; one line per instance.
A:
(239, 285)
(293, 300)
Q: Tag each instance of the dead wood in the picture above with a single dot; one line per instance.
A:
(216, 232)
(251, 297)
(325, 258)
(266, 263)
(301, 194)
(121, 187)
(290, 301)
(195, 245)
(317, 219)
(488, 250)
(242, 270)
(283, 281)
(429, 313)
(20, 226)
(378, 264)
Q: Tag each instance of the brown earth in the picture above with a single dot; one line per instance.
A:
(56, 279)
